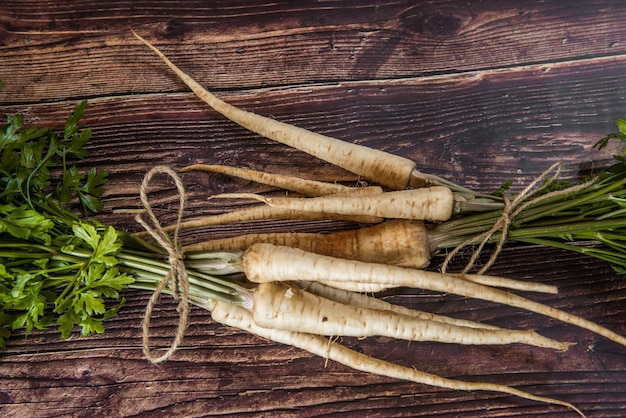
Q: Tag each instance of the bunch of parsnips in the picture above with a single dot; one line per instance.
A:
(297, 289)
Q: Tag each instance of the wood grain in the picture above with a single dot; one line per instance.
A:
(273, 44)
(479, 92)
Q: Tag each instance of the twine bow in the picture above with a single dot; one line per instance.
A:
(177, 279)
(509, 212)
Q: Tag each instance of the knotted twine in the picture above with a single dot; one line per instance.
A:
(177, 279)
(509, 212)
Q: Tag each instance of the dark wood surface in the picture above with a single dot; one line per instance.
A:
(479, 92)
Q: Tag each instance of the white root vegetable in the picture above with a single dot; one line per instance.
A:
(260, 213)
(506, 283)
(267, 262)
(281, 306)
(389, 170)
(361, 300)
(429, 203)
(240, 318)
(295, 184)
(394, 242)
(349, 192)
(356, 287)
(264, 212)
(492, 281)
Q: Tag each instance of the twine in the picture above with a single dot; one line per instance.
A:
(177, 278)
(509, 212)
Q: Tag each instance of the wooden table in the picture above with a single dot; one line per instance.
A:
(478, 92)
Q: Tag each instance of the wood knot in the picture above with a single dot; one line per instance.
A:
(434, 23)
(172, 29)
(442, 25)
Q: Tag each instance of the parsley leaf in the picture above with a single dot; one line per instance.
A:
(53, 265)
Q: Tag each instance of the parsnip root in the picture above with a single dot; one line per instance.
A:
(240, 318)
(386, 169)
(295, 184)
(429, 203)
(267, 262)
(394, 242)
(281, 306)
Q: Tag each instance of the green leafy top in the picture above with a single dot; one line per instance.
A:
(53, 265)
(621, 135)
(57, 266)
(589, 218)
(27, 156)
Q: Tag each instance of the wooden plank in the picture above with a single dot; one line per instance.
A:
(55, 51)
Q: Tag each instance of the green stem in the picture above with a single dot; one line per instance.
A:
(592, 214)
(598, 253)
(148, 268)
(153, 270)
(51, 151)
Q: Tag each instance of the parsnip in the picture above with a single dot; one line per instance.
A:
(361, 300)
(295, 184)
(267, 262)
(389, 170)
(281, 306)
(240, 318)
(493, 281)
(259, 213)
(394, 242)
(429, 203)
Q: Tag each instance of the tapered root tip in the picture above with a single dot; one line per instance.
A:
(565, 346)
(251, 196)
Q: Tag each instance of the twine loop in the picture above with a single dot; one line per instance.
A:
(177, 279)
(510, 210)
